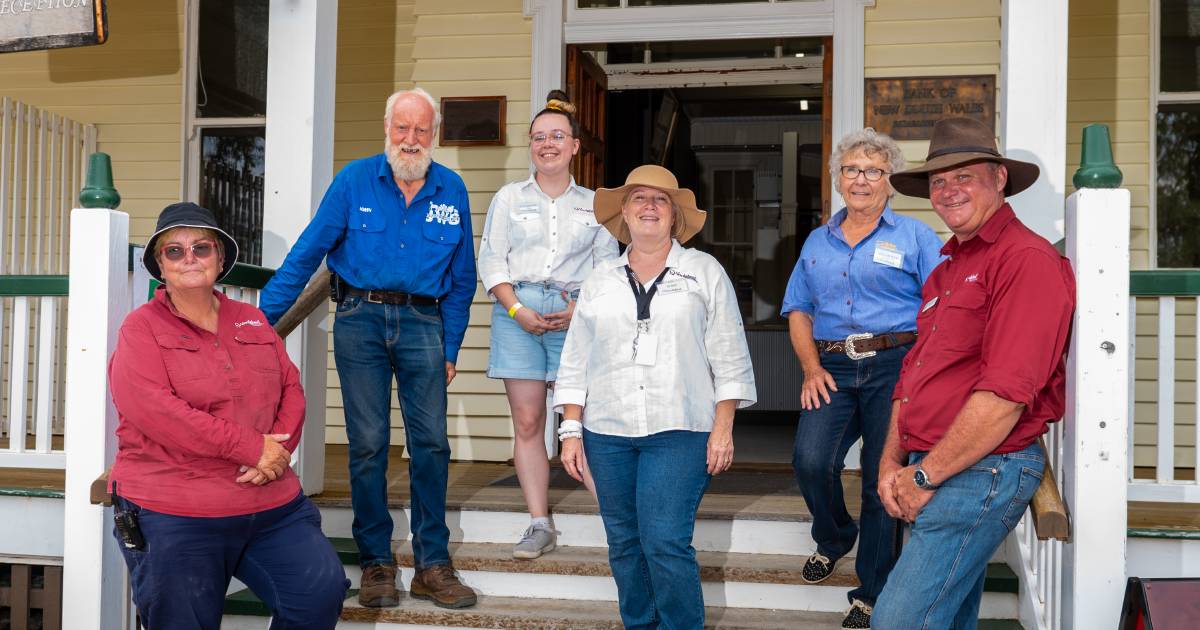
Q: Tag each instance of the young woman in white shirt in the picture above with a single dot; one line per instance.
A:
(540, 241)
(653, 369)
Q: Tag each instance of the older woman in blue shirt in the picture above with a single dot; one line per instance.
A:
(852, 303)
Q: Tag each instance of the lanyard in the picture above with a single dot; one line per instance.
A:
(641, 295)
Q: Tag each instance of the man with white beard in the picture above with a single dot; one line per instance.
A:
(395, 230)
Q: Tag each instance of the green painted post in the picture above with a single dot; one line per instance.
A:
(98, 191)
(1096, 167)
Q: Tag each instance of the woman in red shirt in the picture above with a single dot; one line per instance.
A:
(210, 409)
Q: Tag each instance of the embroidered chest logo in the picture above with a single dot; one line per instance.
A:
(583, 210)
(445, 214)
(363, 209)
(676, 272)
(972, 278)
(249, 322)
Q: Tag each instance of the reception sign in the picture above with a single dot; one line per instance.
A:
(907, 108)
(42, 24)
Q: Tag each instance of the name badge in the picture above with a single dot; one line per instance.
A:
(929, 304)
(889, 256)
(674, 286)
(526, 211)
(647, 349)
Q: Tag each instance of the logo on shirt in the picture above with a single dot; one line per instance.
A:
(584, 210)
(363, 209)
(249, 322)
(442, 213)
(972, 278)
(676, 272)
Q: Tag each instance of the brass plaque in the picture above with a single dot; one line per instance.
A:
(907, 108)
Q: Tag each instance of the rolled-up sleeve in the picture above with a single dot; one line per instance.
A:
(493, 247)
(570, 385)
(725, 345)
(1027, 327)
(142, 393)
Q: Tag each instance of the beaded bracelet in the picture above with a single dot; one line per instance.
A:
(570, 434)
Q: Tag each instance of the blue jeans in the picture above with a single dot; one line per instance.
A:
(862, 407)
(179, 579)
(649, 488)
(371, 344)
(938, 581)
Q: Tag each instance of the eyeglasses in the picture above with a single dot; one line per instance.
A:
(872, 174)
(201, 250)
(554, 137)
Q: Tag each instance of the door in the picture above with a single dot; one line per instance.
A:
(587, 87)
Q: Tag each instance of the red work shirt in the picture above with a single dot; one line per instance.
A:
(995, 316)
(194, 406)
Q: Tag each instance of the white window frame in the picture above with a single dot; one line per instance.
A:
(191, 124)
(1158, 97)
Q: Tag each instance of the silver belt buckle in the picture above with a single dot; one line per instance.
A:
(855, 354)
(372, 299)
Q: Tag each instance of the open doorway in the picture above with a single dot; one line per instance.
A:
(754, 154)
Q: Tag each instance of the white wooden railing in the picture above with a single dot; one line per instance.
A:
(42, 162)
(1080, 584)
(1166, 303)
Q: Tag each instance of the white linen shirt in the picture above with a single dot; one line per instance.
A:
(702, 354)
(530, 237)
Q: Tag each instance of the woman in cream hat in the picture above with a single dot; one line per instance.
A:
(654, 365)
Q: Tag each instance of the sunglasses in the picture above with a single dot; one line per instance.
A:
(201, 250)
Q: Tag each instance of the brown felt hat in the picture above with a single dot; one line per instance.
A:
(608, 202)
(958, 142)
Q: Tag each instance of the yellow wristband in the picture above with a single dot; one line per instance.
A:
(512, 310)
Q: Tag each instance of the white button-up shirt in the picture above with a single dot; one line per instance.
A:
(702, 356)
(530, 237)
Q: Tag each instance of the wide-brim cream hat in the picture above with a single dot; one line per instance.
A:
(958, 142)
(608, 202)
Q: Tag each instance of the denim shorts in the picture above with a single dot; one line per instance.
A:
(515, 353)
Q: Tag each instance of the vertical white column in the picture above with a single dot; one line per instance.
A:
(849, 59)
(93, 570)
(547, 63)
(302, 46)
(1033, 105)
(1095, 460)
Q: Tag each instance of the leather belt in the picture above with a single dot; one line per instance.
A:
(390, 297)
(863, 345)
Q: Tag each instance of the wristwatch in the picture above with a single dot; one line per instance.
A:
(922, 480)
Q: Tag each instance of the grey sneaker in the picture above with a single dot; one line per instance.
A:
(536, 540)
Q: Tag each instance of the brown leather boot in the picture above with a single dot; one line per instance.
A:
(440, 585)
(378, 586)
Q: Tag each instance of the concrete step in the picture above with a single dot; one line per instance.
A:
(729, 580)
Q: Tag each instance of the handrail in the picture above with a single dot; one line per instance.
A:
(1049, 511)
(1155, 282)
(33, 286)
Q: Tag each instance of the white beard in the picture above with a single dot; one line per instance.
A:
(405, 166)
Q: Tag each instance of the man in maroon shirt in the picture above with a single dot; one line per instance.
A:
(986, 376)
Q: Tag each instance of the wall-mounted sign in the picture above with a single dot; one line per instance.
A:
(906, 108)
(472, 121)
(42, 24)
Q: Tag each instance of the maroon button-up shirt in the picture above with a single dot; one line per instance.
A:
(194, 406)
(995, 316)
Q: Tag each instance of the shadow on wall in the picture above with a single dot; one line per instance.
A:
(144, 39)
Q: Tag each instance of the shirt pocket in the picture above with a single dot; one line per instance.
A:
(441, 234)
(372, 221)
(583, 230)
(963, 319)
(181, 356)
(524, 225)
(257, 346)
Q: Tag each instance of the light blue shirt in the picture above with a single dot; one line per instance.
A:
(375, 240)
(873, 287)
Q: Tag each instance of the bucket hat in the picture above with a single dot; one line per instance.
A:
(958, 142)
(608, 202)
(188, 214)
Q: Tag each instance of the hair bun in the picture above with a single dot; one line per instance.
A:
(561, 106)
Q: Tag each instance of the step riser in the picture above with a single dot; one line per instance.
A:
(1162, 557)
(584, 530)
(810, 597)
(238, 622)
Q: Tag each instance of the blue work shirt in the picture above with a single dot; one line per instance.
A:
(873, 287)
(375, 240)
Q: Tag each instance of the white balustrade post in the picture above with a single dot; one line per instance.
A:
(301, 54)
(94, 593)
(1095, 460)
